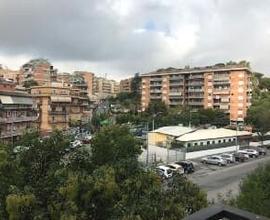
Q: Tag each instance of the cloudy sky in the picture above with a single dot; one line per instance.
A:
(121, 37)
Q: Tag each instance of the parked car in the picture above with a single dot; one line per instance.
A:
(164, 171)
(187, 165)
(240, 157)
(261, 151)
(176, 168)
(228, 157)
(216, 160)
(76, 143)
(251, 152)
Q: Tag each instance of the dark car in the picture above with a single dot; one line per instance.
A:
(239, 157)
(261, 151)
(187, 165)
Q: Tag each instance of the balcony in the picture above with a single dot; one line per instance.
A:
(195, 103)
(155, 85)
(156, 79)
(221, 91)
(9, 134)
(174, 103)
(176, 78)
(176, 83)
(175, 93)
(18, 119)
(226, 82)
(195, 90)
(196, 96)
(155, 97)
(196, 77)
(196, 83)
(57, 112)
(155, 91)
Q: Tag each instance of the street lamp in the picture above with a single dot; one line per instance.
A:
(153, 121)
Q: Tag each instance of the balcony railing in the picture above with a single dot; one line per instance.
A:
(176, 83)
(155, 91)
(175, 94)
(9, 134)
(18, 119)
(196, 83)
(196, 77)
(223, 91)
(155, 79)
(176, 78)
(58, 112)
(156, 97)
(226, 82)
(195, 90)
(194, 103)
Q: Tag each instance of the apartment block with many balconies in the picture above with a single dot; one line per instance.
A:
(17, 115)
(223, 86)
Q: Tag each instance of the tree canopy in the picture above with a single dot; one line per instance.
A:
(44, 181)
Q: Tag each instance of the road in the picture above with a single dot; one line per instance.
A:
(223, 180)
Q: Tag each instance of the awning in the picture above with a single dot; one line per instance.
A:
(60, 99)
(16, 100)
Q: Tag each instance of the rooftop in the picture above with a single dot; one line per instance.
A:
(211, 133)
(217, 67)
(175, 131)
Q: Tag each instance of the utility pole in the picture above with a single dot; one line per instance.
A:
(236, 138)
(146, 141)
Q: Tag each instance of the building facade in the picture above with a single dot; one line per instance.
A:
(88, 78)
(104, 88)
(11, 75)
(38, 70)
(17, 115)
(225, 87)
(60, 105)
(125, 85)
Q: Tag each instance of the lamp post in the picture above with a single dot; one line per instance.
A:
(236, 138)
(153, 121)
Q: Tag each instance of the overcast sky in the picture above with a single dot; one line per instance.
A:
(121, 37)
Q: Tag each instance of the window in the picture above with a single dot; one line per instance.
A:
(213, 142)
(219, 141)
(189, 144)
(195, 144)
(230, 140)
(208, 142)
(201, 143)
(53, 119)
(224, 140)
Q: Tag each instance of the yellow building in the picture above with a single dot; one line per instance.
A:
(53, 103)
(160, 136)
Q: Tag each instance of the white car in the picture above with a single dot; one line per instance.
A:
(176, 168)
(164, 171)
(228, 157)
(76, 143)
(252, 152)
(216, 160)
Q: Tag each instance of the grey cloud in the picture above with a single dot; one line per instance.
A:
(109, 34)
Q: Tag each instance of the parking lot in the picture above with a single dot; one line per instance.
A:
(202, 169)
(221, 180)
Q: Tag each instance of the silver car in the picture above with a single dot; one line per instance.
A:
(228, 157)
(216, 160)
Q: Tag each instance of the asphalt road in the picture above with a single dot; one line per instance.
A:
(227, 179)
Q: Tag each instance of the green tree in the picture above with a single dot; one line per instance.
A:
(254, 192)
(259, 116)
(156, 107)
(30, 83)
(113, 144)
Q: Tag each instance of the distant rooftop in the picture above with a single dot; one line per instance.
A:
(188, 69)
(175, 131)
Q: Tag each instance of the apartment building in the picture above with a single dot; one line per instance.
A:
(103, 87)
(223, 86)
(17, 114)
(10, 75)
(80, 111)
(53, 102)
(88, 79)
(39, 70)
(59, 105)
(125, 85)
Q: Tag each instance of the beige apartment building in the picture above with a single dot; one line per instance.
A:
(104, 88)
(17, 115)
(53, 103)
(59, 105)
(39, 70)
(223, 86)
(125, 85)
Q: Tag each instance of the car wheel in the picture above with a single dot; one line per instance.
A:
(220, 164)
